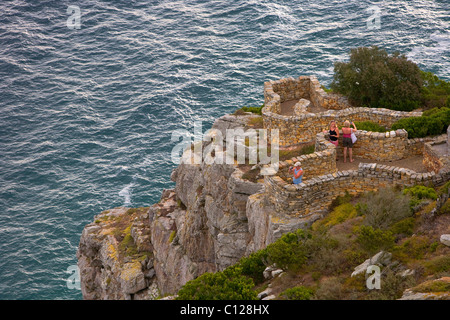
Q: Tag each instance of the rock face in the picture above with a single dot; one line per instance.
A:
(112, 265)
(211, 219)
(382, 258)
(445, 239)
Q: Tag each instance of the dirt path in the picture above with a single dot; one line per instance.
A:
(413, 163)
(287, 108)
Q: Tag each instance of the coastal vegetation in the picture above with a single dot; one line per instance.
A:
(432, 122)
(318, 262)
(372, 77)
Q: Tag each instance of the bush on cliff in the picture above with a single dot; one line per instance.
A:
(255, 110)
(228, 284)
(373, 240)
(432, 122)
(298, 293)
(435, 91)
(375, 78)
(289, 252)
(385, 207)
(253, 266)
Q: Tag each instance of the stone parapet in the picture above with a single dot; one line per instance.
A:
(317, 193)
(436, 155)
(322, 183)
(384, 146)
(302, 126)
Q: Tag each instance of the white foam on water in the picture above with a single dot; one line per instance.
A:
(126, 194)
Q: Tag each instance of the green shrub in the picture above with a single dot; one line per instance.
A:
(256, 110)
(404, 227)
(435, 92)
(419, 127)
(412, 248)
(421, 192)
(432, 122)
(439, 264)
(330, 289)
(288, 252)
(253, 266)
(298, 293)
(324, 254)
(373, 240)
(445, 208)
(444, 189)
(340, 200)
(375, 78)
(338, 215)
(370, 126)
(392, 286)
(385, 207)
(228, 284)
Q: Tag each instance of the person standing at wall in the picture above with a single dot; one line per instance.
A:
(334, 135)
(297, 171)
(347, 139)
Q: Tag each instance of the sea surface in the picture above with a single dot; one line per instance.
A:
(91, 92)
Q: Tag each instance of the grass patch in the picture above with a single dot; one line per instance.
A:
(127, 245)
(339, 214)
(256, 123)
(244, 109)
(299, 151)
(433, 286)
(370, 126)
(172, 236)
(437, 265)
(298, 293)
(413, 248)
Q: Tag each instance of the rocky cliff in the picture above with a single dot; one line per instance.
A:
(211, 219)
(215, 215)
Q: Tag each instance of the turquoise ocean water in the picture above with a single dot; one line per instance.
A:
(86, 115)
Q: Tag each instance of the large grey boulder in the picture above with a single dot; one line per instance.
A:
(382, 258)
(445, 239)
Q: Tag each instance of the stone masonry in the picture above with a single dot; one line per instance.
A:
(303, 125)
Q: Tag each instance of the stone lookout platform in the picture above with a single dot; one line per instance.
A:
(302, 111)
(300, 108)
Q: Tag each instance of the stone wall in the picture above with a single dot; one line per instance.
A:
(436, 154)
(322, 182)
(302, 127)
(277, 92)
(384, 146)
(316, 194)
(306, 87)
(389, 146)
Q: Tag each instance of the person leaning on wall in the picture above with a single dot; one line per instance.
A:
(347, 139)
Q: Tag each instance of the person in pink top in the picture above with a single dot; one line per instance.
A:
(347, 139)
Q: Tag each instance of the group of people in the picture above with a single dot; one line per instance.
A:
(347, 141)
(333, 132)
